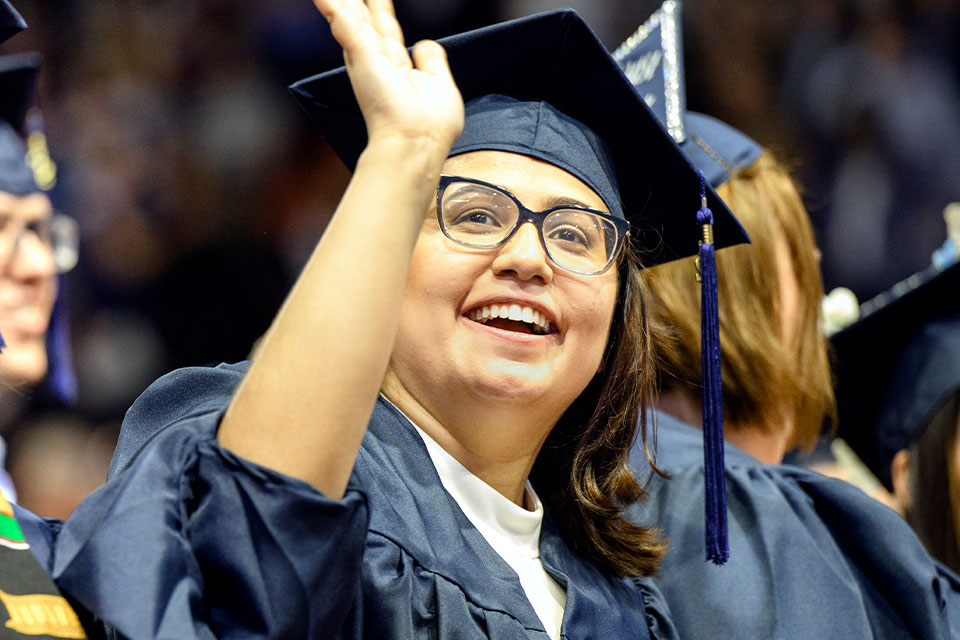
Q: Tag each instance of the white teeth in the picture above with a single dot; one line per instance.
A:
(519, 313)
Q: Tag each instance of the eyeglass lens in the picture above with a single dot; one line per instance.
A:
(56, 233)
(482, 217)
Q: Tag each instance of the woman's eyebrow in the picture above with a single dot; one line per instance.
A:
(566, 201)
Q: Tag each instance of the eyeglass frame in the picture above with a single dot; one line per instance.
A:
(61, 226)
(537, 218)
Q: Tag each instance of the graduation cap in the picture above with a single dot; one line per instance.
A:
(18, 75)
(11, 22)
(653, 60)
(897, 365)
(545, 86)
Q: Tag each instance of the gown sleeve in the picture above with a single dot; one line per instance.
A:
(187, 540)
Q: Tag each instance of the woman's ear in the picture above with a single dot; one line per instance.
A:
(900, 477)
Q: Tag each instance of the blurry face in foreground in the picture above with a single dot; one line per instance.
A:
(446, 351)
(28, 288)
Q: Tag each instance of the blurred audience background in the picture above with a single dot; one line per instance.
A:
(200, 187)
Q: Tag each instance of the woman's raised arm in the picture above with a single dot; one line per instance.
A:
(304, 405)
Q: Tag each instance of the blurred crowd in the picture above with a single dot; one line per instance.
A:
(200, 187)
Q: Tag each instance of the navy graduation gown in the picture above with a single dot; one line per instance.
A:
(810, 556)
(187, 540)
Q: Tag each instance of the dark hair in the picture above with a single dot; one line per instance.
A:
(590, 444)
(935, 490)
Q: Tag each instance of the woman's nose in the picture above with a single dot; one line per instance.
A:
(523, 256)
(29, 257)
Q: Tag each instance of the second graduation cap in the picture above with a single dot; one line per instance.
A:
(555, 58)
(653, 60)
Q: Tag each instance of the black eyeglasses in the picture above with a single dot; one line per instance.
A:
(57, 233)
(483, 216)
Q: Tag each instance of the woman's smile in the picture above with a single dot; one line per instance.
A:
(514, 316)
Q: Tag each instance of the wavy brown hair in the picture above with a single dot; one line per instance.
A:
(583, 471)
(769, 379)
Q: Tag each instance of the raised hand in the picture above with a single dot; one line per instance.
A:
(411, 98)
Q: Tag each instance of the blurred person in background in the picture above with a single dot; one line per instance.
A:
(809, 556)
(898, 390)
(873, 87)
(36, 244)
(56, 458)
(30, 604)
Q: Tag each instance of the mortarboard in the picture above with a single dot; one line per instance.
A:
(897, 364)
(548, 82)
(653, 60)
(716, 148)
(18, 74)
(11, 22)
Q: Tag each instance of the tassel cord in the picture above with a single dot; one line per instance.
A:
(715, 510)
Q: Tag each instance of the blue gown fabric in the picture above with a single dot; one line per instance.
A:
(187, 540)
(810, 556)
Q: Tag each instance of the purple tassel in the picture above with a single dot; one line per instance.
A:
(61, 379)
(715, 500)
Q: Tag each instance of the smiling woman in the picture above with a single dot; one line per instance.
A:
(432, 438)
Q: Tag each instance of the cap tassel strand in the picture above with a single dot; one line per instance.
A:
(715, 503)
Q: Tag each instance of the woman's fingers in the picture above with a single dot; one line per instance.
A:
(350, 22)
(361, 29)
(384, 19)
(343, 24)
(385, 22)
(430, 57)
(327, 8)
(397, 93)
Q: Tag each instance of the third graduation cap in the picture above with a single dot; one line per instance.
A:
(546, 86)
(897, 365)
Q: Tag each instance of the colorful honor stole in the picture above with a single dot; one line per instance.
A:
(30, 604)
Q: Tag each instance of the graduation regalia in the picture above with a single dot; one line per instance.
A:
(187, 540)
(810, 556)
(158, 550)
(31, 606)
